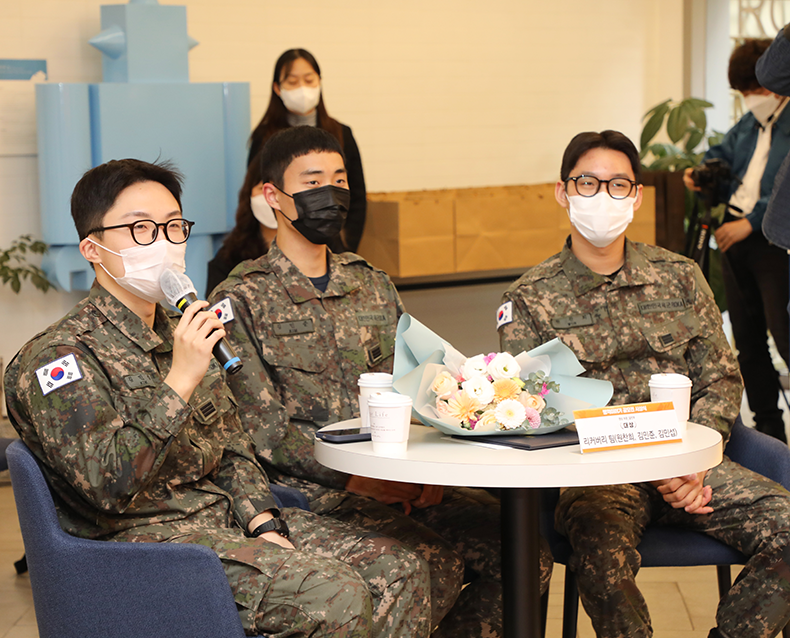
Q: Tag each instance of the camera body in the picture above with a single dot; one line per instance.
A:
(713, 178)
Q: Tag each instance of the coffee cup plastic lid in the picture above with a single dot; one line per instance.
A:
(385, 399)
(375, 379)
(669, 380)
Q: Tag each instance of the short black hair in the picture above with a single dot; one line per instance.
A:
(743, 63)
(284, 147)
(608, 139)
(98, 188)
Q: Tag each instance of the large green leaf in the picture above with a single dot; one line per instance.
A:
(699, 118)
(657, 107)
(653, 125)
(677, 123)
(715, 138)
(695, 137)
(694, 101)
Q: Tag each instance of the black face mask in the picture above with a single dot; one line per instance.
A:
(322, 212)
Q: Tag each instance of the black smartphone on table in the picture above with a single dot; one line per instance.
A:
(346, 435)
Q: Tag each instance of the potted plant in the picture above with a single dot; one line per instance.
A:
(14, 267)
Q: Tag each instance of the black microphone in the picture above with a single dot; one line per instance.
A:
(180, 292)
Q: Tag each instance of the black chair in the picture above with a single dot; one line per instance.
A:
(118, 590)
(664, 546)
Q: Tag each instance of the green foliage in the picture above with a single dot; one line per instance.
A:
(14, 267)
(534, 384)
(686, 126)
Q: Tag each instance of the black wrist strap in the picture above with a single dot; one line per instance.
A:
(272, 525)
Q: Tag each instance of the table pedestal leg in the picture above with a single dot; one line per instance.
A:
(521, 562)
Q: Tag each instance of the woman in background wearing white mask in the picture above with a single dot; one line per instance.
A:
(297, 99)
(755, 272)
(256, 227)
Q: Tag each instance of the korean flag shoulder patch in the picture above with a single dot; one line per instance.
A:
(58, 373)
(504, 314)
(223, 310)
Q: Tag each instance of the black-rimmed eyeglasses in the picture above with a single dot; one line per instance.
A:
(145, 231)
(588, 186)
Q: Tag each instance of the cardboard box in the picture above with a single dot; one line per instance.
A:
(424, 233)
(411, 234)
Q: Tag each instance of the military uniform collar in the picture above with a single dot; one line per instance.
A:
(636, 271)
(130, 325)
(299, 287)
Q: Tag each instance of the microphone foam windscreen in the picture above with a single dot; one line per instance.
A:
(175, 285)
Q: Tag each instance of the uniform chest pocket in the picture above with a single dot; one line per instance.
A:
(594, 346)
(297, 371)
(308, 357)
(673, 335)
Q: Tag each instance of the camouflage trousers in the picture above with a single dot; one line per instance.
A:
(337, 582)
(751, 514)
(460, 541)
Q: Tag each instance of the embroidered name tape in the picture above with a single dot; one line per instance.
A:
(139, 380)
(504, 314)
(661, 305)
(58, 373)
(572, 321)
(372, 319)
(223, 310)
(286, 328)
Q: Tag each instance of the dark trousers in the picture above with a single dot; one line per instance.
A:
(756, 282)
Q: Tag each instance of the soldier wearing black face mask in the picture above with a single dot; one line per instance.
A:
(307, 322)
(321, 211)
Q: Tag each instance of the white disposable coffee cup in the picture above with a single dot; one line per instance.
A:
(675, 388)
(371, 383)
(390, 416)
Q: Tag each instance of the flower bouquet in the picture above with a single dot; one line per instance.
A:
(533, 392)
(488, 394)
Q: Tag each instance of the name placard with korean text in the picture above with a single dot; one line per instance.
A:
(623, 426)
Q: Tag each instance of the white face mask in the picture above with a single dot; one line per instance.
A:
(301, 100)
(600, 219)
(144, 264)
(262, 211)
(762, 106)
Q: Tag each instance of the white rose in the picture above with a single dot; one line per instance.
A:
(474, 367)
(444, 385)
(479, 388)
(504, 366)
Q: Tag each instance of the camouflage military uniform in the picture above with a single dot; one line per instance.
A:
(656, 314)
(303, 352)
(128, 460)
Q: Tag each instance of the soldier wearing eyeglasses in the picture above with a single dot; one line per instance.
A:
(630, 310)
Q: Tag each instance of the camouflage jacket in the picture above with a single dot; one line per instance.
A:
(656, 314)
(303, 351)
(119, 447)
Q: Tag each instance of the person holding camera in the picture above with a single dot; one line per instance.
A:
(755, 271)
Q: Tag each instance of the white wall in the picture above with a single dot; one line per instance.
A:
(440, 93)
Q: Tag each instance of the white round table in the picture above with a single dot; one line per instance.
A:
(435, 459)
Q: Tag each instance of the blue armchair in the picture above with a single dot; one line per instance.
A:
(118, 590)
(21, 564)
(664, 546)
